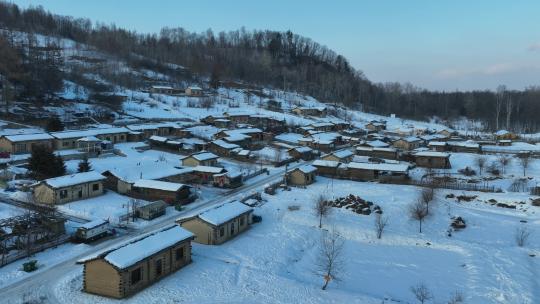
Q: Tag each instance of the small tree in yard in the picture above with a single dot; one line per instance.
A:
(524, 161)
(480, 163)
(421, 293)
(380, 223)
(504, 160)
(418, 212)
(330, 262)
(522, 236)
(322, 208)
(44, 164)
(427, 196)
(84, 165)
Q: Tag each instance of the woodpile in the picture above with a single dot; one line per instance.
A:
(355, 204)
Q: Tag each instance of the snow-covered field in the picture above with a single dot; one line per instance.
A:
(274, 261)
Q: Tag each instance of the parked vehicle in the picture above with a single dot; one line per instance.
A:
(92, 231)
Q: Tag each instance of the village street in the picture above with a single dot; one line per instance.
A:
(41, 282)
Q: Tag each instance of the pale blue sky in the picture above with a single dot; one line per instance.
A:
(447, 45)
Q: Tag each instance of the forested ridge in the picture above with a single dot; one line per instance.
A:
(283, 60)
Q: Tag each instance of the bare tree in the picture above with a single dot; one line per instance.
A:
(456, 298)
(330, 262)
(522, 236)
(524, 161)
(499, 100)
(480, 162)
(509, 108)
(504, 160)
(322, 208)
(418, 212)
(380, 223)
(421, 293)
(427, 196)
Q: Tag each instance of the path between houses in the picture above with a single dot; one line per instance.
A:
(41, 284)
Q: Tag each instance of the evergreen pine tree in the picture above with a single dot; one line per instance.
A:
(44, 164)
(84, 165)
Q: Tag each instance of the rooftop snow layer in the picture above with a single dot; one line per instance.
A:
(89, 132)
(27, 137)
(74, 179)
(154, 184)
(379, 167)
(140, 249)
(224, 213)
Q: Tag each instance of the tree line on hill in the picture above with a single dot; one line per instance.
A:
(282, 60)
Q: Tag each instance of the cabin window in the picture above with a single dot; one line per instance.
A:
(232, 228)
(95, 187)
(179, 254)
(63, 193)
(20, 147)
(221, 231)
(122, 137)
(136, 276)
(159, 267)
(242, 221)
(65, 143)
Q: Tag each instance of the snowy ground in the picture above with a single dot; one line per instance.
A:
(274, 261)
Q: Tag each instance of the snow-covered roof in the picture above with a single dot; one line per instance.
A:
(160, 139)
(225, 144)
(28, 137)
(224, 213)
(242, 131)
(432, 154)
(74, 179)
(322, 124)
(208, 169)
(502, 132)
(465, 144)
(89, 139)
(437, 143)
(343, 154)
(379, 167)
(292, 138)
(326, 163)
(130, 253)
(411, 139)
(93, 224)
(377, 144)
(161, 87)
(159, 185)
(195, 88)
(89, 132)
(202, 156)
(236, 137)
(302, 149)
(307, 169)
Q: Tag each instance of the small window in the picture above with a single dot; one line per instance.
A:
(242, 221)
(136, 276)
(232, 228)
(95, 187)
(179, 254)
(65, 143)
(221, 231)
(63, 193)
(122, 137)
(159, 267)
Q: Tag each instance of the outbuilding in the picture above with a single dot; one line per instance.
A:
(68, 188)
(302, 176)
(126, 269)
(219, 224)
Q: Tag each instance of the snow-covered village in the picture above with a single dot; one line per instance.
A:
(162, 168)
